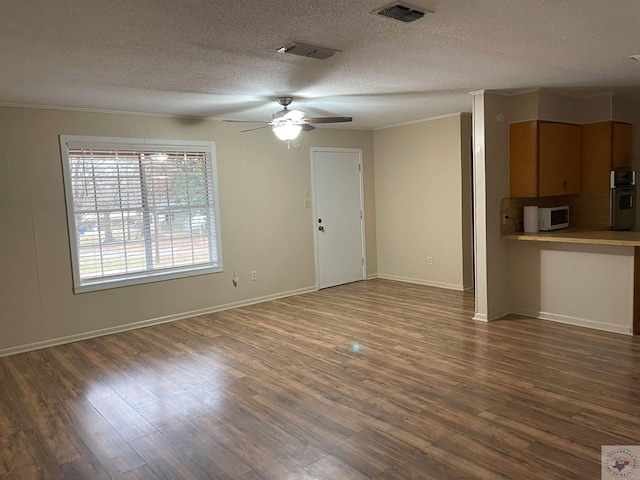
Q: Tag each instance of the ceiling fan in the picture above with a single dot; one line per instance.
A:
(287, 124)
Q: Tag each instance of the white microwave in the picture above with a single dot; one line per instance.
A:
(553, 218)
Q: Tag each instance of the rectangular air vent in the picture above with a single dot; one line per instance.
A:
(307, 51)
(400, 11)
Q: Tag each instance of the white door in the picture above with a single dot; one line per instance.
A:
(338, 215)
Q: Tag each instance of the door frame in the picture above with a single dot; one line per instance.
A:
(314, 150)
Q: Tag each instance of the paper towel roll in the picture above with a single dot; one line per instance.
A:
(530, 219)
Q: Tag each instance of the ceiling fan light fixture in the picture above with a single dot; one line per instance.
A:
(287, 131)
(287, 124)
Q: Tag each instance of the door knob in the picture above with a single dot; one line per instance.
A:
(321, 228)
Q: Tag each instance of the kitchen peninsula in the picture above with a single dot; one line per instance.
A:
(578, 276)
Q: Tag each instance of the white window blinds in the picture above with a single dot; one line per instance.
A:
(140, 210)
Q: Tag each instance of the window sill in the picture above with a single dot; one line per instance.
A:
(106, 284)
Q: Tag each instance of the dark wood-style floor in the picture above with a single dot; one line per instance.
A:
(280, 391)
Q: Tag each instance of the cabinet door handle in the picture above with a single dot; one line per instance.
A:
(564, 185)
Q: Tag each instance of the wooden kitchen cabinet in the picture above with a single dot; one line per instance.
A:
(544, 159)
(621, 145)
(605, 146)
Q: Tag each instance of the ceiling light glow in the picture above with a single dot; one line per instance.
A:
(287, 131)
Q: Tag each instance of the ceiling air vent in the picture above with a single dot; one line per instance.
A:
(307, 51)
(400, 11)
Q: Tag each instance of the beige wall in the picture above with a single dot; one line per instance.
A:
(561, 108)
(264, 223)
(420, 207)
(522, 107)
(467, 199)
(492, 114)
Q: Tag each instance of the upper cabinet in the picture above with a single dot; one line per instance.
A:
(621, 145)
(559, 159)
(544, 159)
(605, 146)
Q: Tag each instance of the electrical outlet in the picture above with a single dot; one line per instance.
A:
(254, 275)
(505, 218)
(429, 261)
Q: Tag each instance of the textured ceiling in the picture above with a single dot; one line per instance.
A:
(217, 58)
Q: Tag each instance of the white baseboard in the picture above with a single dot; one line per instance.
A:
(372, 276)
(146, 323)
(578, 322)
(418, 281)
(483, 317)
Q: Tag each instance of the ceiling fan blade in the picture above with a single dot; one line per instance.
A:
(245, 121)
(328, 119)
(257, 128)
(307, 127)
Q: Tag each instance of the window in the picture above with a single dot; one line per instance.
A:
(140, 210)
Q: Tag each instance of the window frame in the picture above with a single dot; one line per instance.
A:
(156, 145)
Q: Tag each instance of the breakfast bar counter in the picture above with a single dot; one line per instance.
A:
(585, 236)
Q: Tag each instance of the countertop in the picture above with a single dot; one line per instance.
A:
(569, 235)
